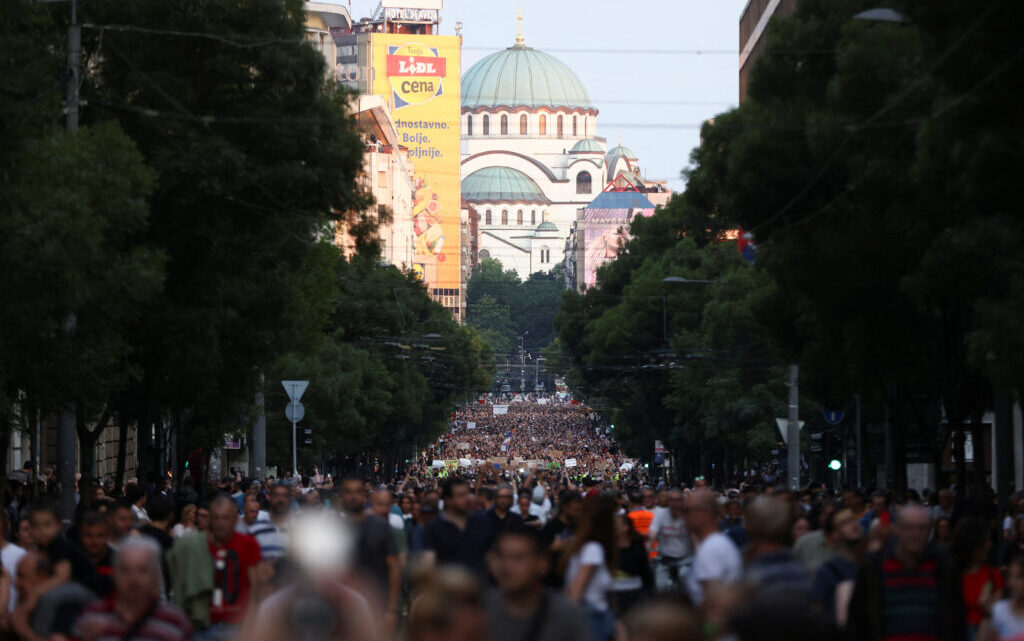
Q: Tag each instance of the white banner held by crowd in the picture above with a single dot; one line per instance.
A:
(570, 462)
(500, 409)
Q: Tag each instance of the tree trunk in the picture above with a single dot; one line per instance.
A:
(982, 499)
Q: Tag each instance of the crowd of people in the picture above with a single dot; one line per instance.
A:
(529, 428)
(491, 556)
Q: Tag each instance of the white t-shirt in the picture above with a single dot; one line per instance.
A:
(717, 560)
(10, 557)
(1009, 626)
(596, 592)
(535, 510)
(673, 539)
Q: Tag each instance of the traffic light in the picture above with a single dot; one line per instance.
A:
(835, 465)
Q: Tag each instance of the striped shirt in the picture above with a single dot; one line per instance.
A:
(273, 540)
(163, 623)
(910, 601)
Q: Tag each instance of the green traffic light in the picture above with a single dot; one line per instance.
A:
(835, 465)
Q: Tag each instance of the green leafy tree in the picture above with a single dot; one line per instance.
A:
(254, 154)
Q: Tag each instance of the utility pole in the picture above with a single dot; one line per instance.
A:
(259, 437)
(67, 431)
(793, 429)
(860, 459)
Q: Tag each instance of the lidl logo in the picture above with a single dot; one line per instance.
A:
(416, 74)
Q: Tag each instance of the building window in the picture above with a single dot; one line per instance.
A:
(487, 217)
(583, 182)
(504, 125)
(487, 125)
(469, 125)
(543, 125)
(504, 216)
(484, 254)
(522, 125)
(574, 126)
(533, 216)
(519, 217)
(382, 179)
(584, 127)
(559, 127)
(545, 255)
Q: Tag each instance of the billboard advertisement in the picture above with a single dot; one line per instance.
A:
(606, 227)
(418, 75)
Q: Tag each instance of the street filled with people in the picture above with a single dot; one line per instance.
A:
(514, 546)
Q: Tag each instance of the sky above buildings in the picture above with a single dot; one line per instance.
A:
(656, 70)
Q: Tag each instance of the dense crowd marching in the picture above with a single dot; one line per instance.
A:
(503, 554)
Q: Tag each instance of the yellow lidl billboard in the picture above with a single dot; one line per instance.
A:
(419, 77)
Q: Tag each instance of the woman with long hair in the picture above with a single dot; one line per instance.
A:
(981, 583)
(634, 579)
(188, 521)
(590, 563)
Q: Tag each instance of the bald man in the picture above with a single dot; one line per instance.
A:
(717, 561)
(908, 589)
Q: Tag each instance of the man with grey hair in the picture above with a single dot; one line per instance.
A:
(908, 589)
(717, 562)
(134, 612)
(772, 566)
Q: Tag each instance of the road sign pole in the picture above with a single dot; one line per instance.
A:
(295, 452)
(793, 430)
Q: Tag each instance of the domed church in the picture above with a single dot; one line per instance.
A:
(531, 161)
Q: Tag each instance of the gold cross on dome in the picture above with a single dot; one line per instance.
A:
(519, 19)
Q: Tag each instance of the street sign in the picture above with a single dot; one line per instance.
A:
(294, 411)
(295, 389)
(783, 424)
(308, 431)
(833, 417)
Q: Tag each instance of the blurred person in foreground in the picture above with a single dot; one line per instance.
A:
(981, 583)
(134, 612)
(664, 620)
(907, 589)
(45, 608)
(521, 608)
(590, 563)
(1006, 622)
(321, 601)
(447, 606)
(833, 582)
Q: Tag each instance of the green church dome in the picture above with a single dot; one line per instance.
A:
(501, 184)
(587, 145)
(619, 150)
(521, 76)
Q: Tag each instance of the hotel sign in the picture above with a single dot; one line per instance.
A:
(411, 15)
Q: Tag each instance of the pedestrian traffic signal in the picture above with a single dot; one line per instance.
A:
(835, 465)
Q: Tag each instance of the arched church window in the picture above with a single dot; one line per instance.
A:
(484, 254)
(545, 255)
(584, 127)
(533, 216)
(519, 217)
(487, 217)
(559, 130)
(584, 182)
(504, 216)
(504, 125)
(469, 125)
(543, 128)
(487, 125)
(522, 125)
(574, 126)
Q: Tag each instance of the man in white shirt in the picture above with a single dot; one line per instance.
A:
(668, 531)
(717, 562)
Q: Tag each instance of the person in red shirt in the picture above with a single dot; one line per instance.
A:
(981, 583)
(238, 572)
